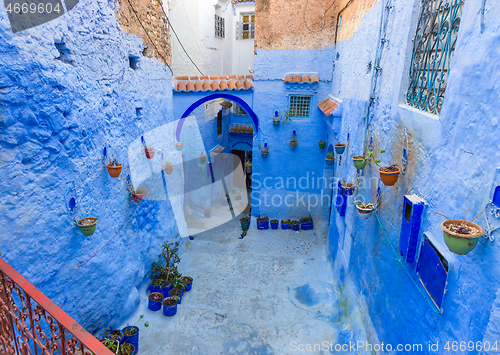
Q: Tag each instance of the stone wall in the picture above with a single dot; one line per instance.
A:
(67, 90)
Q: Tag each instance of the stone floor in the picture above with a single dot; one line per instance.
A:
(269, 293)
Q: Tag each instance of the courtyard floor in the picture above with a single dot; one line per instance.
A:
(272, 292)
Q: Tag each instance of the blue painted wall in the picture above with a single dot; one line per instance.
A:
(301, 166)
(452, 161)
(55, 120)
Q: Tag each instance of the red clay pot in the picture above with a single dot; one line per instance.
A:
(114, 171)
(138, 195)
(150, 153)
(389, 179)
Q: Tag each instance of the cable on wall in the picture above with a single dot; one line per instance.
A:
(147, 34)
(324, 18)
(175, 33)
(338, 17)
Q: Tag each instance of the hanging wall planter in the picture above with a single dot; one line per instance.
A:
(264, 150)
(114, 168)
(293, 140)
(203, 158)
(179, 145)
(359, 162)
(461, 236)
(149, 151)
(364, 209)
(389, 174)
(329, 158)
(322, 145)
(168, 168)
(348, 188)
(340, 148)
(276, 119)
(138, 195)
(87, 226)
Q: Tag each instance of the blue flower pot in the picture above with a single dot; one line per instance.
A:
(285, 226)
(245, 225)
(276, 122)
(262, 224)
(329, 162)
(274, 225)
(191, 237)
(155, 305)
(189, 285)
(169, 311)
(349, 191)
(339, 149)
(131, 339)
(295, 227)
(306, 225)
(180, 296)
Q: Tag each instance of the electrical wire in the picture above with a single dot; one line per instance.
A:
(147, 34)
(175, 33)
(338, 17)
(324, 18)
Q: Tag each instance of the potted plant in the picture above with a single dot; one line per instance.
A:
(322, 144)
(329, 158)
(203, 157)
(359, 161)
(150, 151)
(365, 209)
(339, 148)
(461, 236)
(113, 334)
(286, 224)
(306, 223)
(264, 150)
(179, 145)
(87, 226)
(262, 222)
(156, 285)
(175, 292)
(138, 195)
(114, 168)
(168, 168)
(293, 139)
(274, 223)
(165, 267)
(206, 212)
(111, 344)
(127, 349)
(170, 306)
(388, 174)
(131, 333)
(348, 187)
(245, 223)
(188, 281)
(295, 225)
(248, 167)
(285, 117)
(155, 299)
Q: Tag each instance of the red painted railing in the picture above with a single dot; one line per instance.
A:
(30, 323)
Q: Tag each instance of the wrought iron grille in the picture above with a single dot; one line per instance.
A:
(219, 26)
(30, 323)
(299, 105)
(246, 28)
(433, 49)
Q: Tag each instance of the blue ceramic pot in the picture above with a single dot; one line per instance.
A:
(245, 225)
(306, 226)
(189, 285)
(131, 339)
(340, 149)
(180, 296)
(155, 305)
(295, 227)
(263, 224)
(169, 311)
(285, 226)
(274, 225)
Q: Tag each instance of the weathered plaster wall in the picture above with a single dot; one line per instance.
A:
(151, 16)
(440, 170)
(55, 119)
(294, 24)
(304, 164)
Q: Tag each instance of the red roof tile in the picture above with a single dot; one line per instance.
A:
(314, 79)
(298, 79)
(239, 85)
(207, 86)
(248, 85)
(223, 86)
(190, 86)
(222, 76)
(238, 1)
(306, 79)
(231, 85)
(193, 78)
(216, 83)
(204, 77)
(215, 86)
(181, 87)
(212, 77)
(184, 77)
(241, 76)
(198, 86)
(327, 106)
(288, 79)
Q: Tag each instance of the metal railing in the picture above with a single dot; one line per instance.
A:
(30, 323)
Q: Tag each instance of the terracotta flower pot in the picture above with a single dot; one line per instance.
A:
(87, 226)
(276, 122)
(264, 153)
(461, 244)
(168, 169)
(293, 144)
(203, 158)
(138, 195)
(389, 178)
(150, 153)
(179, 146)
(114, 171)
(364, 213)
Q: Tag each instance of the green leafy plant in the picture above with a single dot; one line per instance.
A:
(113, 161)
(264, 149)
(167, 165)
(167, 260)
(111, 344)
(286, 221)
(149, 147)
(285, 117)
(330, 156)
(364, 205)
(371, 155)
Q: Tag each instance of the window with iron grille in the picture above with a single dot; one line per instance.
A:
(433, 48)
(238, 110)
(246, 28)
(219, 26)
(300, 105)
(219, 123)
